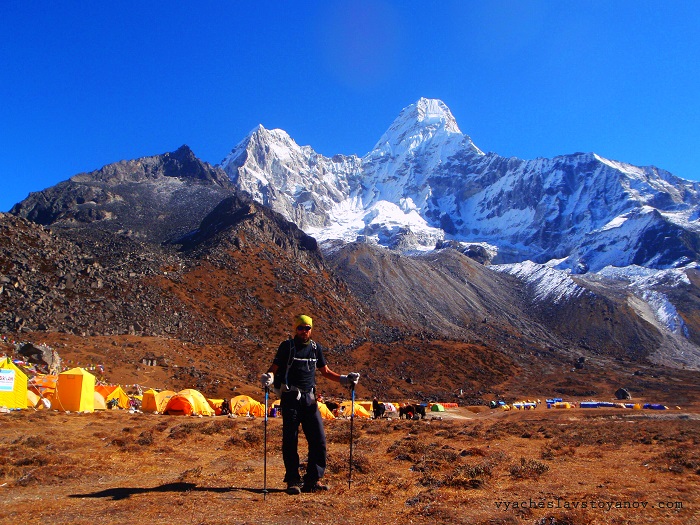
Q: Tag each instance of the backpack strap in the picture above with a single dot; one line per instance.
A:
(290, 359)
(292, 354)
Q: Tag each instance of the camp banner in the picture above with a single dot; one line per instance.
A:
(7, 380)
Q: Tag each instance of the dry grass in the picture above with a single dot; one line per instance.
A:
(490, 468)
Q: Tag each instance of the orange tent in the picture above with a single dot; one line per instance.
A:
(246, 405)
(43, 384)
(215, 404)
(33, 400)
(154, 401)
(345, 408)
(325, 412)
(75, 391)
(188, 402)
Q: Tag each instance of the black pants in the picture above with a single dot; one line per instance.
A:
(302, 411)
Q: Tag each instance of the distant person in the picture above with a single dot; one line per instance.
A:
(293, 372)
(225, 407)
(378, 408)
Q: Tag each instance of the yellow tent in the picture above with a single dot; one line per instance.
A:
(123, 399)
(99, 401)
(215, 404)
(188, 402)
(13, 385)
(75, 391)
(246, 405)
(110, 392)
(345, 408)
(325, 413)
(154, 401)
(367, 405)
(33, 400)
(148, 401)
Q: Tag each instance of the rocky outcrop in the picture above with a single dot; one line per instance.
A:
(153, 199)
(95, 285)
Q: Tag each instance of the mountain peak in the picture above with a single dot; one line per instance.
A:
(426, 122)
(426, 113)
(429, 111)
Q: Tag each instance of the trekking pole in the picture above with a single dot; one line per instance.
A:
(267, 396)
(352, 420)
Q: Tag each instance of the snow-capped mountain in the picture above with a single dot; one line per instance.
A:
(425, 181)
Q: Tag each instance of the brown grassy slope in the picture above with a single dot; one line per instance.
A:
(113, 467)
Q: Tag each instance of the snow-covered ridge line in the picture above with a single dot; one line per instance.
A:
(548, 284)
(643, 281)
(557, 286)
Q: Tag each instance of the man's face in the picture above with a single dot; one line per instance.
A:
(304, 332)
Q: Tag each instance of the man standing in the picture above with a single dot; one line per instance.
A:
(293, 372)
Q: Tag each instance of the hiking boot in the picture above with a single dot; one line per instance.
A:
(313, 487)
(294, 488)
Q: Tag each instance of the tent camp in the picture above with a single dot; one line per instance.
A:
(113, 393)
(345, 409)
(437, 407)
(246, 405)
(13, 385)
(75, 391)
(188, 402)
(154, 401)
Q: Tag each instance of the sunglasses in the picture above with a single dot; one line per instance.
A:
(303, 328)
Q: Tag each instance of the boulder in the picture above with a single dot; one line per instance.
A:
(621, 393)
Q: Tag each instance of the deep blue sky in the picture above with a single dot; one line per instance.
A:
(88, 83)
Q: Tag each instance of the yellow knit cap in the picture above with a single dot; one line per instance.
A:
(302, 320)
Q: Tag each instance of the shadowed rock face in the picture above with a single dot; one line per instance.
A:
(40, 355)
(155, 199)
(240, 266)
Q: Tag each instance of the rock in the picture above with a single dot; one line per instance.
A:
(621, 393)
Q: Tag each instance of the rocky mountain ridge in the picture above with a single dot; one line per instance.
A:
(157, 198)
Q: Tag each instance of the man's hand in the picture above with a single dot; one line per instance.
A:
(350, 380)
(267, 379)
